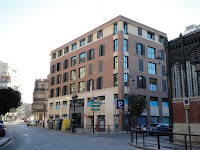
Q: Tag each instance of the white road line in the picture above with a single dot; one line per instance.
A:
(10, 134)
(26, 135)
(6, 144)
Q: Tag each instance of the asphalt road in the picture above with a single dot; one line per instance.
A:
(36, 138)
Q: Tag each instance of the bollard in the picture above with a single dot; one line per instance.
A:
(136, 137)
(108, 129)
(186, 141)
(158, 140)
(143, 139)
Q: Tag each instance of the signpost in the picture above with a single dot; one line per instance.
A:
(186, 103)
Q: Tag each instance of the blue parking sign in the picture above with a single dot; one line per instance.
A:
(120, 104)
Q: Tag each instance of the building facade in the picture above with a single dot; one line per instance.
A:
(109, 62)
(40, 99)
(183, 55)
(9, 77)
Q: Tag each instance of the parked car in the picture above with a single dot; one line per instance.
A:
(31, 123)
(2, 130)
(1, 121)
(25, 120)
(161, 127)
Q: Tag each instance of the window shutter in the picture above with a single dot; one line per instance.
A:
(92, 84)
(97, 83)
(144, 82)
(88, 85)
(138, 82)
(101, 83)
(88, 54)
(103, 49)
(136, 48)
(93, 53)
(99, 50)
(143, 49)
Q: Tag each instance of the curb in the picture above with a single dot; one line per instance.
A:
(141, 147)
(4, 142)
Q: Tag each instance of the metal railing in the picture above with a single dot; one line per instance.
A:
(161, 139)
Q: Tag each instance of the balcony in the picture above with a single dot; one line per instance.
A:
(40, 89)
(39, 99)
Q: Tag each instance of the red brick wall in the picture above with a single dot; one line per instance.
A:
(180, 116)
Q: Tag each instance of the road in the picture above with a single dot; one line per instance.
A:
(37, 138)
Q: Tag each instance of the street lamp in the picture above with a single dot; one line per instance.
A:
(74, 98)
(44, 115)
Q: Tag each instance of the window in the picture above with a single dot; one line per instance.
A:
(90, 54)
(101, 50)
(66, 64)
(65, 77)
(100, 83)
(125, 62)
(152, 68)
(52, 81)
(160, 39)
(141, 82)
(163, 70)
(58, 79)
(65, 90)
(64, 104)
(90, 85)
(140, 49)
(125, 45)
(115, 62)
(82, 72)
(140, 65)
(59, 66)
(90, 38)
(151, 52)
(82, 58)
(152, 84)
(162, 55)
(153, 101)
(115, 45)
(59, 53)
(125, 79)
(99, 34)
(115, 29)
(58, 91)
(53, 68)
(73, 61)
(100, 66)
(150, 35)
(81, 86)
(57, 105)
(53, 56)
(90, 69)
(139, 31)
(82, 42)
(74, 46)
(66, 50)
(125, 28)
(116, 79)
(165, 102)
(164, 86)
(73, 88)
(73, 75)
(52, 93)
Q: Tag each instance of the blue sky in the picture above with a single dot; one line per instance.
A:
(31, 29)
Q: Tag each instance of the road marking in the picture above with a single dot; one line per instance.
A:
(6, 144)
(26, 135)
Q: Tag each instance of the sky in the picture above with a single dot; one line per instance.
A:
(31, 29)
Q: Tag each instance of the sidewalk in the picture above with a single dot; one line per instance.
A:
(3, 140)
(150, 143)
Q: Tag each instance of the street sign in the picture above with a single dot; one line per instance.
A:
(95, 98)
(95, 105)
(95, 109)
(186, 103)
(120, 104)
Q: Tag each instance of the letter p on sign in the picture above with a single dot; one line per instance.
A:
(120, 104)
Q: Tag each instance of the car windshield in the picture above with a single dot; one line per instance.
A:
(154, 125)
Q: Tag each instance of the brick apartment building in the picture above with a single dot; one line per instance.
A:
(113, 60)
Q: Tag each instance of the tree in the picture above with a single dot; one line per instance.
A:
(9, 98)
(137, 105)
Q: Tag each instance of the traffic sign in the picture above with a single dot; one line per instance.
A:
(120, 104)
(95, 105)
(94, 109)
(186, 103)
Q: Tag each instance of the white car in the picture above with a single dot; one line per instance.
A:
(31, 123)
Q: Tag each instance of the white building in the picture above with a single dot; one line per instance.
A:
(9, 77)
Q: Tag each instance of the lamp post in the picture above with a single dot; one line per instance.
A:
(74, 98)
(44, 115)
